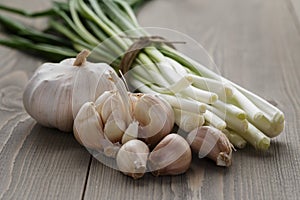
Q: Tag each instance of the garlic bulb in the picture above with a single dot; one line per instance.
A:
(132, 158)
(171, 156)
(155, 116)
(56, 91)
(128, 116)
(210, 142)
(119, 117)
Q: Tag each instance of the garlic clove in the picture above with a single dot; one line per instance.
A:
(88, 129)
(123, 97)
(113, 105)
(104, 82)
(151, 131)
(132, 158)
(171, 116)
(133, 99)
(156, 117)
(131, 132)
(107, 107)
(210, 142)
(101, 99)
(114, 128)
(172, 156)
(121, 107)
(141, 109)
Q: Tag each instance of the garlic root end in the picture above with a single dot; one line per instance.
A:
(81, 58)
(224, 159)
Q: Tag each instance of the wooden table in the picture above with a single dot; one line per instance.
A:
(255, 43)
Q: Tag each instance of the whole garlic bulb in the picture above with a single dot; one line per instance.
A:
(56, 91)
(171, 156)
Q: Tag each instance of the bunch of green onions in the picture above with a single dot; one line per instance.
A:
(195, 92)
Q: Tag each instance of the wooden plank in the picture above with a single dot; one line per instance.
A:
(35, 162)
(40, 163)
(256, 44)
(107, 183)
(295, 10)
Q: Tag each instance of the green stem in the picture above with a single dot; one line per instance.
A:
(26, 13)
(87, 12)
(30, 33)
(79, 44)
(256, 138)
(214, 120)
(69, 34)
(235, 138)
(128, 10)
(119, 17)
(73, 26)
(79, 26)
(52, 52)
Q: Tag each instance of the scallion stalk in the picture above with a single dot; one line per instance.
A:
(187, 85)
(235, 138)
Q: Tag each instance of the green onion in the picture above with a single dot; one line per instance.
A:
(194, 91)
(214, 120)
(235, 138)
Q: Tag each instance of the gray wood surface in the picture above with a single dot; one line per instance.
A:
(255, 43)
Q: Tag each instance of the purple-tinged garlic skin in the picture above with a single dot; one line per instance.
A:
(172, 156)
(210, 142)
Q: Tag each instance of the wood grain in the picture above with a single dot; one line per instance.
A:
(294, 7)
(254, 43)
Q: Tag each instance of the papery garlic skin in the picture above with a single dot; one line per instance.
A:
(172, 156)
(56, 91)
(132, 158)
(210, 142)
(131, 132)
(153, 117)
(88, 131)
(112, 111)
(88, 128)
